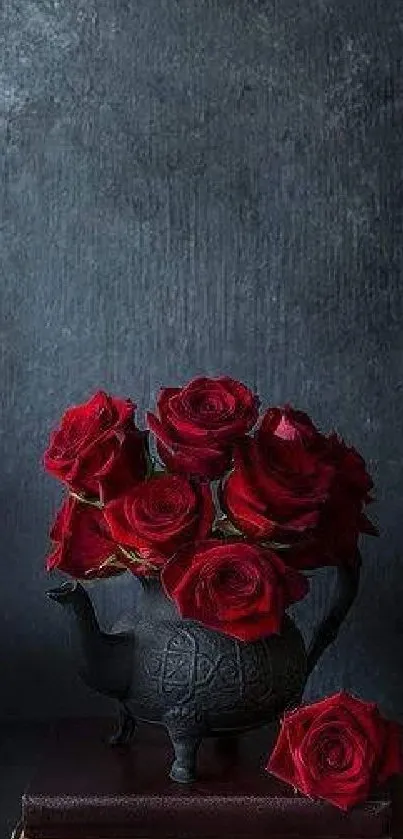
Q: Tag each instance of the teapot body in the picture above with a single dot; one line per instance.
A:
(194, 679)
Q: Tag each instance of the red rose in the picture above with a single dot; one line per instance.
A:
(295, 486)
(342, 519)
(97, 449)
(337, 749)
(83, 545)
(276, 490)
(198, 424)
(160, 515)
(234, 587)
(352, 485)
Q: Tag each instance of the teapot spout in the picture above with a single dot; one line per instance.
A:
(104, 660)
(60, 593)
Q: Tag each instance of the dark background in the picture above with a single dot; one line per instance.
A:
(198, 186)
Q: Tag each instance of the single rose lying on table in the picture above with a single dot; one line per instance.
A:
(338, 749)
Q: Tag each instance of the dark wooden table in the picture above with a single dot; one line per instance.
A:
(22, 747)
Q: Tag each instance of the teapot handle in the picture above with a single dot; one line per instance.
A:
(348, 578)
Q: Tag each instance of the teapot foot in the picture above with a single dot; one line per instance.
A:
(183, 769)
(125, 728)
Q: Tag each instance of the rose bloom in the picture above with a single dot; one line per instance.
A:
(160, 515)
(83, 546)
(97, 450)
(337, 749)
(294, 486)
(197, 424)
(237, 588)
(276, 490)
(342, 519)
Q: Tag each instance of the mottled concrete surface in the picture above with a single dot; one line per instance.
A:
(187, 186)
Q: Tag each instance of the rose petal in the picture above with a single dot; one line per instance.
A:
(391, 760)
(281, 762)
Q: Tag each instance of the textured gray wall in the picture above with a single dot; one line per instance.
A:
(189, 186)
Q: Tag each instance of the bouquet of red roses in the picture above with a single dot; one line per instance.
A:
(230, 510)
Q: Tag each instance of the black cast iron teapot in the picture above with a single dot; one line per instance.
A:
(195, 681)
